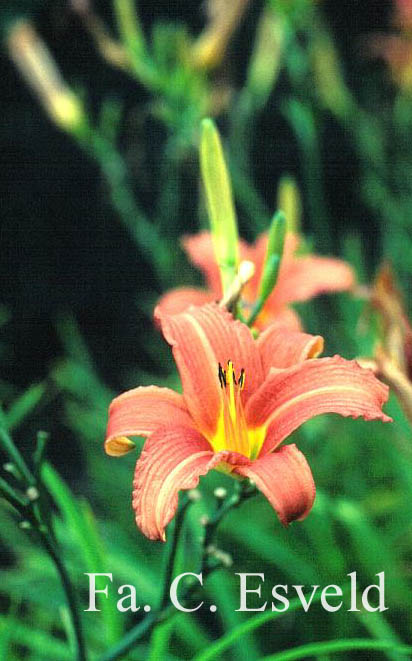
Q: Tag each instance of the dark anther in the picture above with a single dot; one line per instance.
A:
(241, 379)
(222, 376)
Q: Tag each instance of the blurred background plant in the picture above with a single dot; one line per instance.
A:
(101, 106)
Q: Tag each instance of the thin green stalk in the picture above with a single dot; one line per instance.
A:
(11, 495)
(242, 493)
(129, 27)
(256, 310)
(31, 511)
(335, 646)
(69, 592)
(216, 649)
(171, 560)
(128, 641)
(146, 625)
(150, 621)
(159, 641)
(32, 515)
(11, 450)
(133, 40)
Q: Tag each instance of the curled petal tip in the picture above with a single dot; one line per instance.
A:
(117, 447)
(285, 478)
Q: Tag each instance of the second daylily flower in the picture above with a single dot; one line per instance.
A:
(300, 279)
(241, 398)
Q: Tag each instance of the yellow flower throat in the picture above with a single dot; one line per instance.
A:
(232, 432)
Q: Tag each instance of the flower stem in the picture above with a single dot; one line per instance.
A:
(11, 450)
(128, 641)
(242, 492)
(256, 310)
(118, 651)
(32, 512)
(343, 645)
(11, 495)
(69, 592)
(171, 560)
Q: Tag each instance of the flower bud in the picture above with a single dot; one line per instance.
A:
(273, 256)
(209, 49)
(289, 201)
(37, 66)
(220, 204)
(266, 57)
(220, 493)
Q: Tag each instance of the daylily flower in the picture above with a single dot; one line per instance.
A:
(396, 48)
(241, 399)
(392, 360)
(403, 14)
(300, 278)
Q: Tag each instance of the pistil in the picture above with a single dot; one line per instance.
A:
(232, 431)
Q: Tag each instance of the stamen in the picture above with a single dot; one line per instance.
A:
(234, 432)
(241, 379)
(222, 376)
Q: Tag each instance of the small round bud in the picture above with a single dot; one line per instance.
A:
(32, 493)
(25, 525)
(224, 558)
(204, 520)
(194, 495)
(220, 493)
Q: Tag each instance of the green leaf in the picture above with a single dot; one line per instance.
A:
(83, 530)
(235, 634)
(335, 646)
(44, 645)
(24, 405)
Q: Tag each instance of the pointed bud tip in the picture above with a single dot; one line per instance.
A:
(207, 124)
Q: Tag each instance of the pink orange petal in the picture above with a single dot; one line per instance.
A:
(285, 478)
(172, 459)
(324, 385)
(255, 253)
(202, 338)
(282, 348)
(178, 300)
(302, 278)
(199, 248)
(280, 318)
(141, 411)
